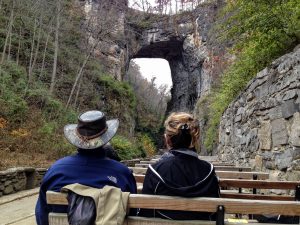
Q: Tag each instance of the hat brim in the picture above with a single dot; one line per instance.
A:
(72, 136)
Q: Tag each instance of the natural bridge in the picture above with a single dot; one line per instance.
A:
(181, 40)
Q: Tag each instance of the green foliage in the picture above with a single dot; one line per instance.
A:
(126, 149)
(118, 100)
(142, 21)
(147, 144)
(262, 31)
(119, 89)
(12, 84)
(48, 128)
(31, 112)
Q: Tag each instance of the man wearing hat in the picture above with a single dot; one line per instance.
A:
(89, 166)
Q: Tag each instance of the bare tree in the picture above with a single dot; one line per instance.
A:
(100, 26)
(45, 50)
(34, 55)
(9, 31)
(19, 45)
(31, 52)
(56, 47)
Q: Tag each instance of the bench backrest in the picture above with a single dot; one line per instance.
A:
(249, 184)
(220, 174)
(239, 206)
(143, 164)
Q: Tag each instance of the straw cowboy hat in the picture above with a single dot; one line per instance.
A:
(92, 130)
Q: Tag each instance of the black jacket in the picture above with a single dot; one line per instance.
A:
(180, 173)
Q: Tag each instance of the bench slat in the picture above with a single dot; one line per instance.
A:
(245, 183)
(62, 219)
(200, 204)
(242, 175)
(228, 194)
(56, 198)
(139, 178)
(217, 168)
(262, 184)
(231, 168)
(156, 221)
(210, 204)
(220, 174)
(58, 219)
(225, 194)
(147, 162)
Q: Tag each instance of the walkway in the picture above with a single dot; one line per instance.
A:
(18, 209)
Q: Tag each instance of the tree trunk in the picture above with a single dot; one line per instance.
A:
(31, 53)
(53, 77)
(78, 90)
(9, 47)
(19, 46)
(78, 77)
(44, 54)
(10, 23)
(37, 48)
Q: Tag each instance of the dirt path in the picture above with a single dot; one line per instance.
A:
(18, 209)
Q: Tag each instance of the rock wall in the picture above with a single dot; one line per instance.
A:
(18, 179)
(261, 128)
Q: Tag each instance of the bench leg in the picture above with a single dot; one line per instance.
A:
(297, 197)
(220, 215)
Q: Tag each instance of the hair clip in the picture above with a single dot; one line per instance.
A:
(184, 127)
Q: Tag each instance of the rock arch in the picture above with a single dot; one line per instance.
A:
(184, 41)
(180, 39)
(179, 51)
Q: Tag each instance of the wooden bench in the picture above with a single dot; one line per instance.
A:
(260, 184)
(217, 168)
(147, 162)
(249, 184)
(220, 174)
(219, 205)
(214, 162)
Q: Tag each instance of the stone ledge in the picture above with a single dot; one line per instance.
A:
(18, 179)
(19, 195)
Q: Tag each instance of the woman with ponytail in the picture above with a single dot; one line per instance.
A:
(180, 172)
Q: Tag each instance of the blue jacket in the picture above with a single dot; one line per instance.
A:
(91, 169)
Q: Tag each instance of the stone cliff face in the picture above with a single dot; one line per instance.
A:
(111, 49)
(261, 128)
(182, 41)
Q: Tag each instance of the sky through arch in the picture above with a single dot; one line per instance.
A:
(155, 67)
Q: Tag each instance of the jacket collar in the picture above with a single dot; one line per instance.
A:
(185, 151)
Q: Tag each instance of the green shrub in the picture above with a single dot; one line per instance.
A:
(262, 31)
(147, 145)
(121, 89)
(12, 83)
(125, 148)
(48, 128)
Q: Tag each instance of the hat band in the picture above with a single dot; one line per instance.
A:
(87, 138)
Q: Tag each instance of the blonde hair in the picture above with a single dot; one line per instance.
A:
(182, 129)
